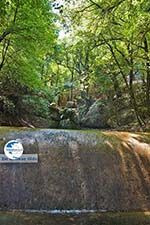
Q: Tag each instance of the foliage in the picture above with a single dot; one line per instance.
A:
(35, 105)
(59, 50)
(116, 36)
(27, 33)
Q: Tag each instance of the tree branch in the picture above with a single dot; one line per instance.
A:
(5, 34)
(96, 4)
(10, 30)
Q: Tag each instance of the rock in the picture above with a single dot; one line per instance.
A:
(69, 113)
(125, 117)
(77, 170)
(54, 112)
(84, 102)
(68, 124)
(71, 104)
(96, 117)
(69, 119)
(53, 123)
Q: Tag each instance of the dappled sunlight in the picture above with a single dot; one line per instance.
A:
(134, 153)
(123, 162)
(125, 144)
(143, 170)
(87, 169)
(137, 142)
(109, 144)
(119, 135)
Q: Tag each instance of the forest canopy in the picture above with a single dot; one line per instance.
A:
(83, 51)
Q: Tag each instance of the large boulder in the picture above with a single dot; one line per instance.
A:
(77, 170)
(69, 117)
(54, 112)
(96, 117)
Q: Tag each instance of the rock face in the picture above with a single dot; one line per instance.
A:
(69, 117)
(96, 117)
(77, 170)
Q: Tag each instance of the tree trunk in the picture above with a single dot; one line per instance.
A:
(131, 89)
(71, 89)
(116, 86)
(148, 75)
(129, 86)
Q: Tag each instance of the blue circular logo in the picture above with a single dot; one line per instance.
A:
(13, 149)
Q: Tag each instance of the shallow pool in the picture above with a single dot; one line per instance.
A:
(20, 218)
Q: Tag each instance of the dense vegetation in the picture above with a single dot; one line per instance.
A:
(88, 52)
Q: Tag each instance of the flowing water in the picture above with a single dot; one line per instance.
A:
(21, 218)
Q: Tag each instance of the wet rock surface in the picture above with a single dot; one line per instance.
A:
(86, 169)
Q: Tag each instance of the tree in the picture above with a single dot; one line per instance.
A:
(27, 33)
(119, 31)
